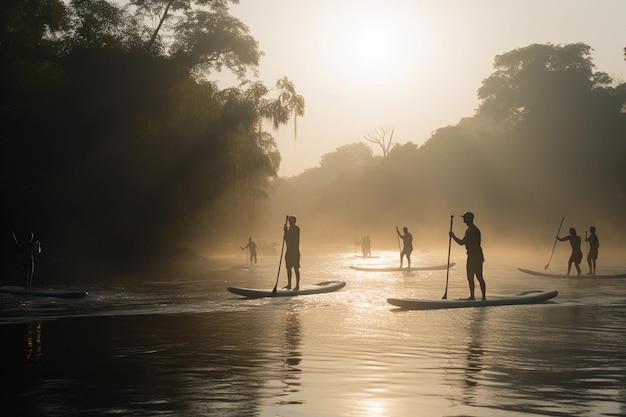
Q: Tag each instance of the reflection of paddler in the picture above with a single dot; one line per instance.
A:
(292, 256)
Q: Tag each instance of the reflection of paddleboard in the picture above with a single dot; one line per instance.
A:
(43, 292)
(573, 275)
(365, 257)
(397, 268)
(321, 287)
(528, 297)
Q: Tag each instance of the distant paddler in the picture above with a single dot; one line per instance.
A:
(251, 246)
(592, 255)
(577, 255)
(407, 245)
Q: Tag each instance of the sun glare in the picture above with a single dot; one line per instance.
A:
(372, 44)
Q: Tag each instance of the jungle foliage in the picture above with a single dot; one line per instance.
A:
(116, 144)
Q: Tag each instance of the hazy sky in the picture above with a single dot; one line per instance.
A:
(411, 65)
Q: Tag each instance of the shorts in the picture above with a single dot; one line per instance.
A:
(292, 260)
(576, 257)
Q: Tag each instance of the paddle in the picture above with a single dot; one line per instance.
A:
(555, 240)
(398, 237)
(445, 294)
(281, 258)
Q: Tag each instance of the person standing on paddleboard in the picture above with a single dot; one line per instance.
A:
(577, 254)
(407, 245)
(292, 256)
(594, 244)
(27, 250)
(251, 246)
(475, 257)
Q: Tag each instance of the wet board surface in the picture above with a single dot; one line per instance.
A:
(319, 288)
(43, 292)
(397, 268)
(571, 275)
(527, 297)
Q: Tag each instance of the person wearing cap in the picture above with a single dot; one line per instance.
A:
(407, 245)
(594, 244)
(475, 257)
(292, 256)
(577, 254)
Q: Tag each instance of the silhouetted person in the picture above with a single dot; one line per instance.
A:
(407, 245)
(577, 254)
(594, 244)
(475, 257)
(364, 247)
(368, 246)
(27, 251)
(251, 246)
(292, 256)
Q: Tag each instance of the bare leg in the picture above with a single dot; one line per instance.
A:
(577, 267)
(470, 281)
(297, 279)
(288, 279)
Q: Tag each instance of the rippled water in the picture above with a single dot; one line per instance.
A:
(175, 344)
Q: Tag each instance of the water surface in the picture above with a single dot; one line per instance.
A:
(177, 343)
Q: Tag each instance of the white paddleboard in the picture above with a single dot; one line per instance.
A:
(571, 275)
(527, 297)
(319, 288)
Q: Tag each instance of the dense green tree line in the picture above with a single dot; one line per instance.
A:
(548, 140)
(116, 145)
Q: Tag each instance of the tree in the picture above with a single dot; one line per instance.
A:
(205, 35)
(97, 128)
(379, 137)
(535, 79)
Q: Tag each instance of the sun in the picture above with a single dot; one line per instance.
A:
(371, 44)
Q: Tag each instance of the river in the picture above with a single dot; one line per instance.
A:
(179, 344)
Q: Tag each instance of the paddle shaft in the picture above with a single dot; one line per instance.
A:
(281, 257)
(398, 237)
(445, 294)
(555, 240)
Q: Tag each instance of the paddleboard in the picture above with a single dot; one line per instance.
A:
(527, 297)
(397, 268)
(43, 292)
(365, 257)
(319, 288)
(572, 275)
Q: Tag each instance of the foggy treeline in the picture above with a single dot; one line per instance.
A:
(547, 141)
(118, 147)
